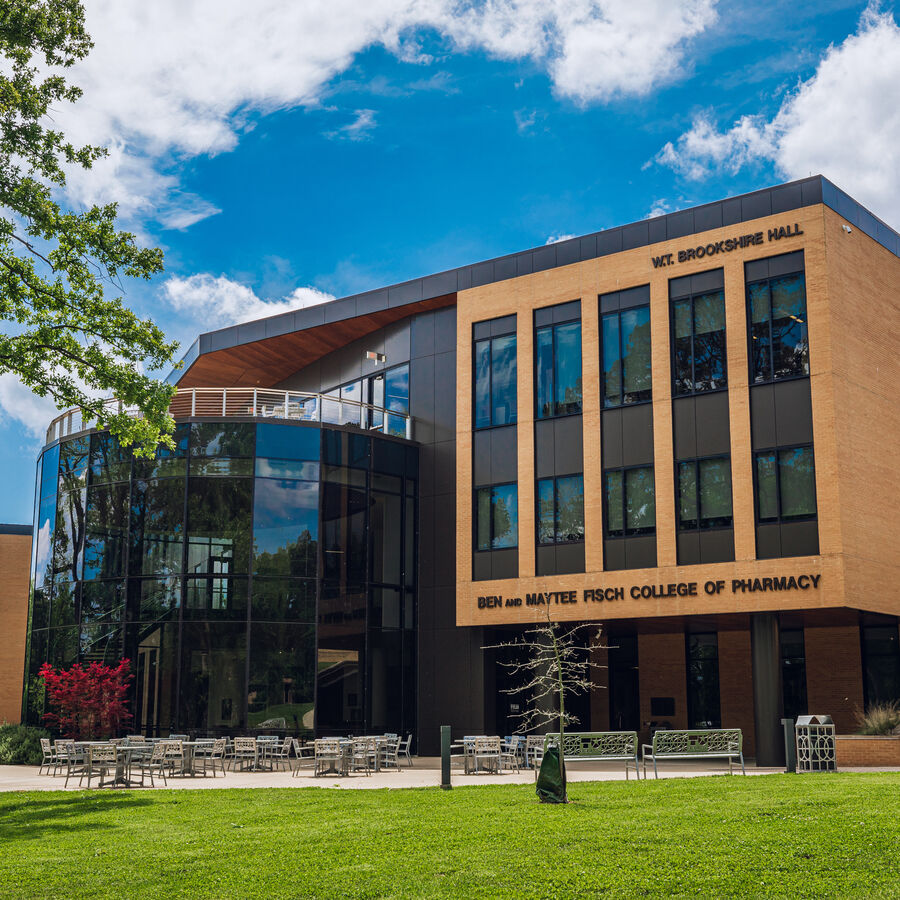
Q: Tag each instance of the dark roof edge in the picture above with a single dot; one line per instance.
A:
(683, 223)
(15, 529)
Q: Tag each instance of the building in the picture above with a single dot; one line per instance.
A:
(15, 568)
(683, 429)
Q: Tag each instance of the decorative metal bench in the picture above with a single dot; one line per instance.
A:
(596, 746)
(706, 743)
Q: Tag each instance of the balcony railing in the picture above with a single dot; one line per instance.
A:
(262, 403)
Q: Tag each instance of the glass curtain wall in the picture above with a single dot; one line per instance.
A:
(698, 343)
(203, 566)
(779, 340)
(558, 369)
(625, 345)
(495, 381)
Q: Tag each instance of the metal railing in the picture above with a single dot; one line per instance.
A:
(261, 403)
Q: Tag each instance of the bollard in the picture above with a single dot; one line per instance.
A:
(445, 757)
(790, 746)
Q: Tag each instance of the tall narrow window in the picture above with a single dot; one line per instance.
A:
(495, 381)
(630, 502)
(561, 510)
(881, 663)
(497, 517)
(779, 340)
(698, 343)
(793, 672)
(785, 485)
(558, 369)
(704, 493)
(704, 709)
(626, 356)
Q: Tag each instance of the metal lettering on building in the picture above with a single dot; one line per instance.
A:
(738, 242)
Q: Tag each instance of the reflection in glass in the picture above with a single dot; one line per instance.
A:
(505, 517)
(385, 518)
(102, 601)
(615, 503)
(107, 530)
(344, 532)
(704, 493)
(285, 527)
(221, 465)
(281, 442)
(881, 663)
(630, 502)
(703, 681)
(568, 368)
(68, 536)
(215, 598)
(154, 648)
(218, 526)
(482, 384)
(155, 599)
(109, 461)
(766, 487)
(284, 599)
(785, 484)
(385, 611)
(626, 356)
(793, 672)
(157, 527)
(166, 463)
(543, 367)
(62, 647)
(561, 510)
(73, 463)
(483, 519)
(62, 604)
(546, 512)
(222, 439)
(385, 680)
(778, 328)
(698, 329)
(495, 381)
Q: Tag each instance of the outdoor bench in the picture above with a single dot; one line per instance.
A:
(596, 746)
(706, 743)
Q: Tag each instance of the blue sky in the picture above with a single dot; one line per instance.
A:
(284, 152)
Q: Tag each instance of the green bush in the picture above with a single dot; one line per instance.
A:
(20, 745)
(879, 718)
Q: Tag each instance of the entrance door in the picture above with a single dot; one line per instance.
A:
(624, 693)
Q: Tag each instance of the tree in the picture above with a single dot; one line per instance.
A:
(89, 703)
(550, 663)
(64, 337)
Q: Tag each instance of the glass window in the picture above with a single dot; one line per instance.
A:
(215, 598)
(218, 525)
(385, 528)
(779, 338)
(283, 599)
(630, 502)
(73, 463)
(155, 599)
(698, 343)
(626, 357)
(233, 439)
(102, 601)
(285, 527)
(108, 460)
(497, 517)
(68, 535)
(495, 381)
(166, 463)
(785, 484)
(558, 369)
(62, 604)
(793, 672)
(396, 397)
(703, 681)
(287, 442)
(106, 531)
(157, 527)
(344, 532)
(704, 493)
(561, 510)
(881, 661)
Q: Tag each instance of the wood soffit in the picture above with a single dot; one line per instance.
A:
(267, 362)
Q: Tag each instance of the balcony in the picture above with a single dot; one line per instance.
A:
(258, 403)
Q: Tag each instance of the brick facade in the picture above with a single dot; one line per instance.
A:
(834, 684)
(15, 561)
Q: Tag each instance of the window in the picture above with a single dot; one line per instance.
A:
(626, 356)
(881, 663)
(497, 517)
(793, 672)
(785, 485)
(387, 390)
(495, 381)
(630, 502)
(704, 493)
(779, 343)
(698, 332)
(558, 369)
(703, 681)
(560, 510)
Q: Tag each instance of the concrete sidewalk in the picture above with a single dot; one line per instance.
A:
(424, 773)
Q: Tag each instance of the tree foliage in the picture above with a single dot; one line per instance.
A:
(87, 703)
(63, 336)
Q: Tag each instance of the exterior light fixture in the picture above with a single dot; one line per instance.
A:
(847, 228)
(375, 356)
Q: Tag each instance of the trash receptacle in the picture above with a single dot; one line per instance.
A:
(815, 744)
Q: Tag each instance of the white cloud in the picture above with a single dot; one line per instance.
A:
(556, 238)
(360, 129)
(524, 120)
(204, 298)
(659, 208)
(843, 122)
(175, 79)
(17, 402)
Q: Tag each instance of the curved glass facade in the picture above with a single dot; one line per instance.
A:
(261, 575)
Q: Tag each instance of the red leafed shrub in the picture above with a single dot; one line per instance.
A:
(88, 703)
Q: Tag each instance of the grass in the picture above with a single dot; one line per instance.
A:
(809, 836)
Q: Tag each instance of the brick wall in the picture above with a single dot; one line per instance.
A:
(853, 750)
(834, 683)
(736, 685)
(15, 562)
(661, 668)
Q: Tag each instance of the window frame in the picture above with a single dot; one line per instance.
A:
(772, 378)
(780, 519)
(515, 409)
(552, 328)
(692, 296)
(603, 398)
(627, 532)
(555, 479)
(696, 460)
(492, 488)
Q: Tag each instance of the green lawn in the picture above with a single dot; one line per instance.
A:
(809, 836)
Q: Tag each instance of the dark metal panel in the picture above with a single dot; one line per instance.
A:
(762, 416)
(426, 541)
(221, 340)
(505, 563)
(564, 312)
(640, 552)
(351, 362)
(609, 302)
(544, 258)
(731, 211)
(445, 331)
(717, 546)
(445, 540)
(609, 242)
(276, 325)
(307, 379)
(711, 416)
(708, 217)
(786, 198)
(503, 325)
(756, 270)
(768, 541)
(793, 412)
(503, 454)
(397, 343)
(799, 539)
(332, 369)
(684, 428)
(636, 296)
(445, 468)
(524, 263)
(464, 278)
(568, 445)
(612, 439)
(481, 566)
(252, 331)
(714, 280)
(481, 459)
(372, 301)
(657, 229)
(438, 285)
(680, 224)
(569, 559)
(543, 316)
(545, 561)
(785, 264)
(481, 330)
(588, 247)
(635, 235)
(544, 448)
(422, 335)
(637, 435)
(421, 391)
(408, 292)
(679, 287)
(338, 310)
(756, 206)
(768, 706)
(444, 396)
(613, 556)
(811, 191)
(504, 268)
(688, 548)
(568, 252)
